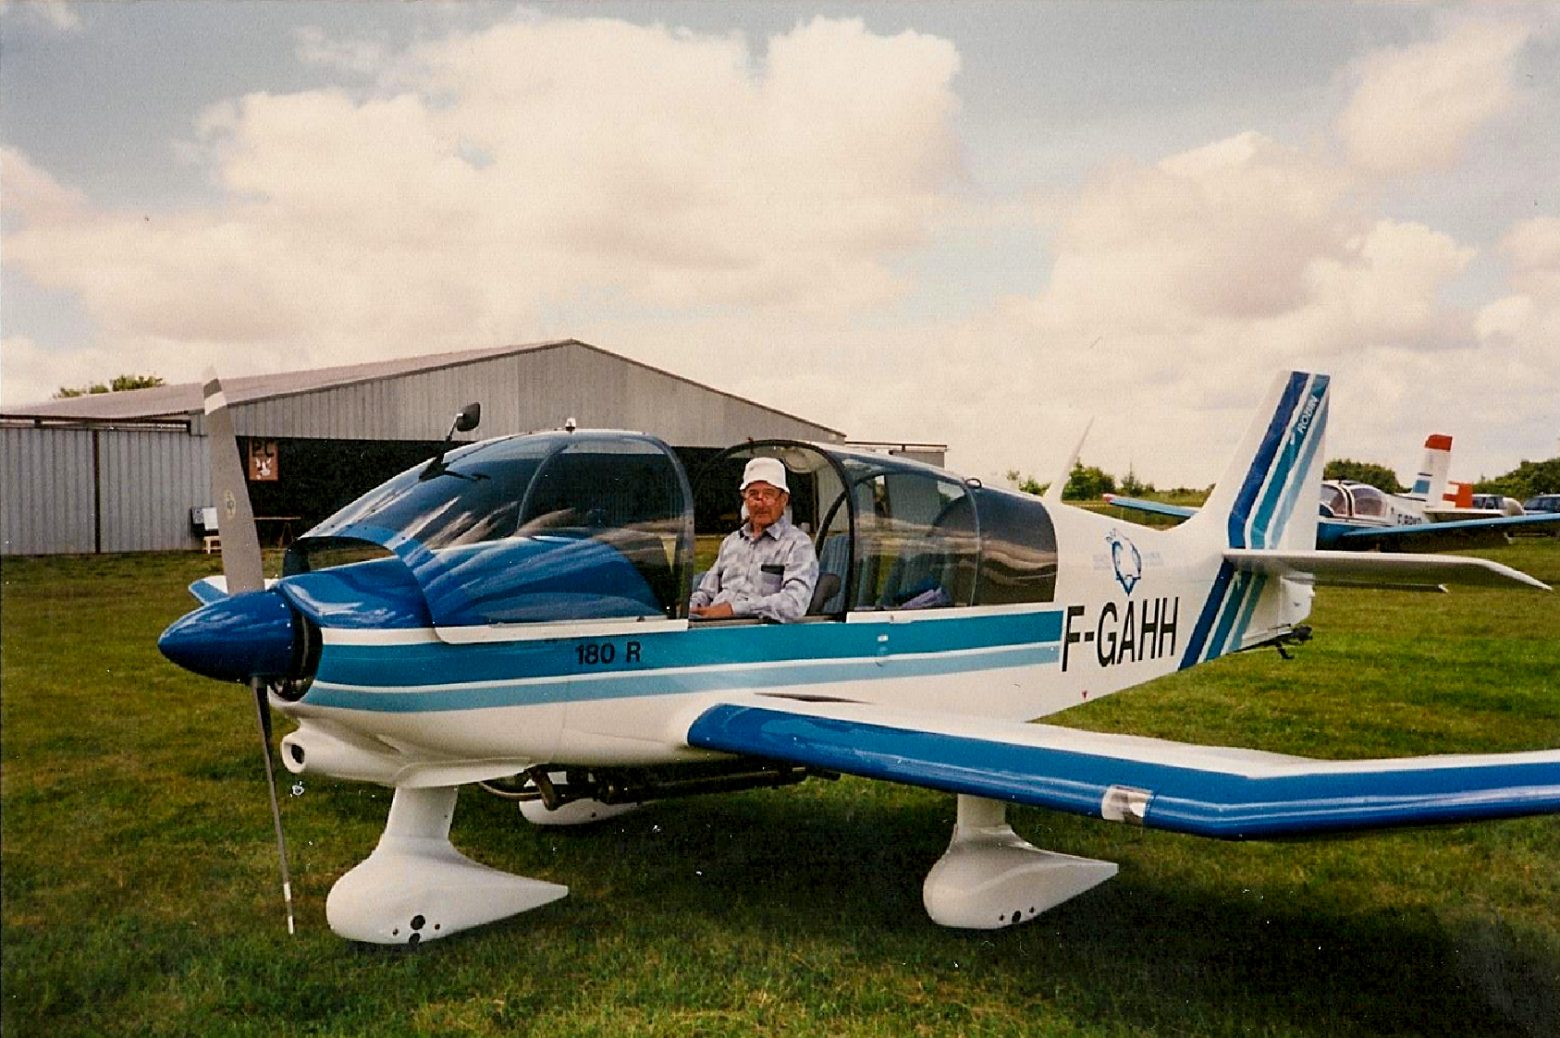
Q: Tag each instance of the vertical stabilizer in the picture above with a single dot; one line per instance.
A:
(1268, 496)
(1430, 482)
(1267, 499)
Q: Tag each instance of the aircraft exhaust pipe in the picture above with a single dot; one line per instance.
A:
(310, 751)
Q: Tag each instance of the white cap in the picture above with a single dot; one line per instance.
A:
(764, 470)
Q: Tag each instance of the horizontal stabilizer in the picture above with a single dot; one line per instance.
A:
(209, 589)
(213, 589)
(1361, 569)
(1203, 790)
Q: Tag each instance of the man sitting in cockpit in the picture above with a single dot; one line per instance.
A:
(766, 567)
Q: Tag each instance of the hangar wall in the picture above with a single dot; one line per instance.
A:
(110, 489)
(121, 472)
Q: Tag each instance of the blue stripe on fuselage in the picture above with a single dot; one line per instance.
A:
(432, 675)
(744, 677)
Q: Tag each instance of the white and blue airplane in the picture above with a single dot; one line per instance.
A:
(515, 611)
(1437, 514)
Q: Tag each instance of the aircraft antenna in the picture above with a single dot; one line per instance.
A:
(1053, 493)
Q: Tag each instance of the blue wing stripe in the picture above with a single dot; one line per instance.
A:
(1305, 797)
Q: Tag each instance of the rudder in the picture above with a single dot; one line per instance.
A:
(1267, 498)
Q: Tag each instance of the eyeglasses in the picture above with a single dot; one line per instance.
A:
(765, 494)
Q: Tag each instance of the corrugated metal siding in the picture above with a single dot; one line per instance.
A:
(521, 393)
(45, 491)
(150, 481)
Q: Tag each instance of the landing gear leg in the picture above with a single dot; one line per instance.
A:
(989, 878)
(417, 887)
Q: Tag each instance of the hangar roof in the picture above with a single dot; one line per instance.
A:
(187, 399)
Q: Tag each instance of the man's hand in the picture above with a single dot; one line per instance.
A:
(718, 611)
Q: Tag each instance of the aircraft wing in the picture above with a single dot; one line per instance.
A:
(1464, 533)
(1138, 504)
(1369, 569)
(1203, 790)
(1352, 536)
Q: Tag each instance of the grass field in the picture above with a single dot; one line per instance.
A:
(141, 894)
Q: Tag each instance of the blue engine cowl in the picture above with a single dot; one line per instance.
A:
(247, 635)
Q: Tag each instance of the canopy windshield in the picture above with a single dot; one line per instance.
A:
(551, 526)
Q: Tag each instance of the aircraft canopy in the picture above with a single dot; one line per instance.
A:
(606, 524)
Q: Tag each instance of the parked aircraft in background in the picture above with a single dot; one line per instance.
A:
(515, 610)
(1437, 514)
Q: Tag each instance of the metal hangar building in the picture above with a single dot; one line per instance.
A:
(129, 471)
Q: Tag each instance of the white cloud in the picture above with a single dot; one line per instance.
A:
(512, 172)
(1198, 277)
(32, 193)
(1226, 231)
(1415, 107)
(703, 204)
(32, 373)
(1526, 322)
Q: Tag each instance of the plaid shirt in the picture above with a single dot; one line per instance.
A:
(770, 576)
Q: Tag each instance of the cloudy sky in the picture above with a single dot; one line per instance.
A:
(954, 222)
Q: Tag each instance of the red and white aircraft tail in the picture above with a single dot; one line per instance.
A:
(1430, 484)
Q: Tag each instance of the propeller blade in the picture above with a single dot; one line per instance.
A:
(244, 568)
(241, 562)
(263, 712)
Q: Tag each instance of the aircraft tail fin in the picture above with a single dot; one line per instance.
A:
(1268, 496)
(1430, 483)
(1267, 501)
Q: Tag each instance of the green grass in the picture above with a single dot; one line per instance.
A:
(140, 892)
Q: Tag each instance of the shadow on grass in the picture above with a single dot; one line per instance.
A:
(797, 889)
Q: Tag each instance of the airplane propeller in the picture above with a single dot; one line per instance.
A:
(242, 565)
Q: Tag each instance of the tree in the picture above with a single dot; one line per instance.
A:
(1027, 484)
(1378, 476)
(119, 384)
(1134, 487)
(1087, 483)
(1524, 481)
